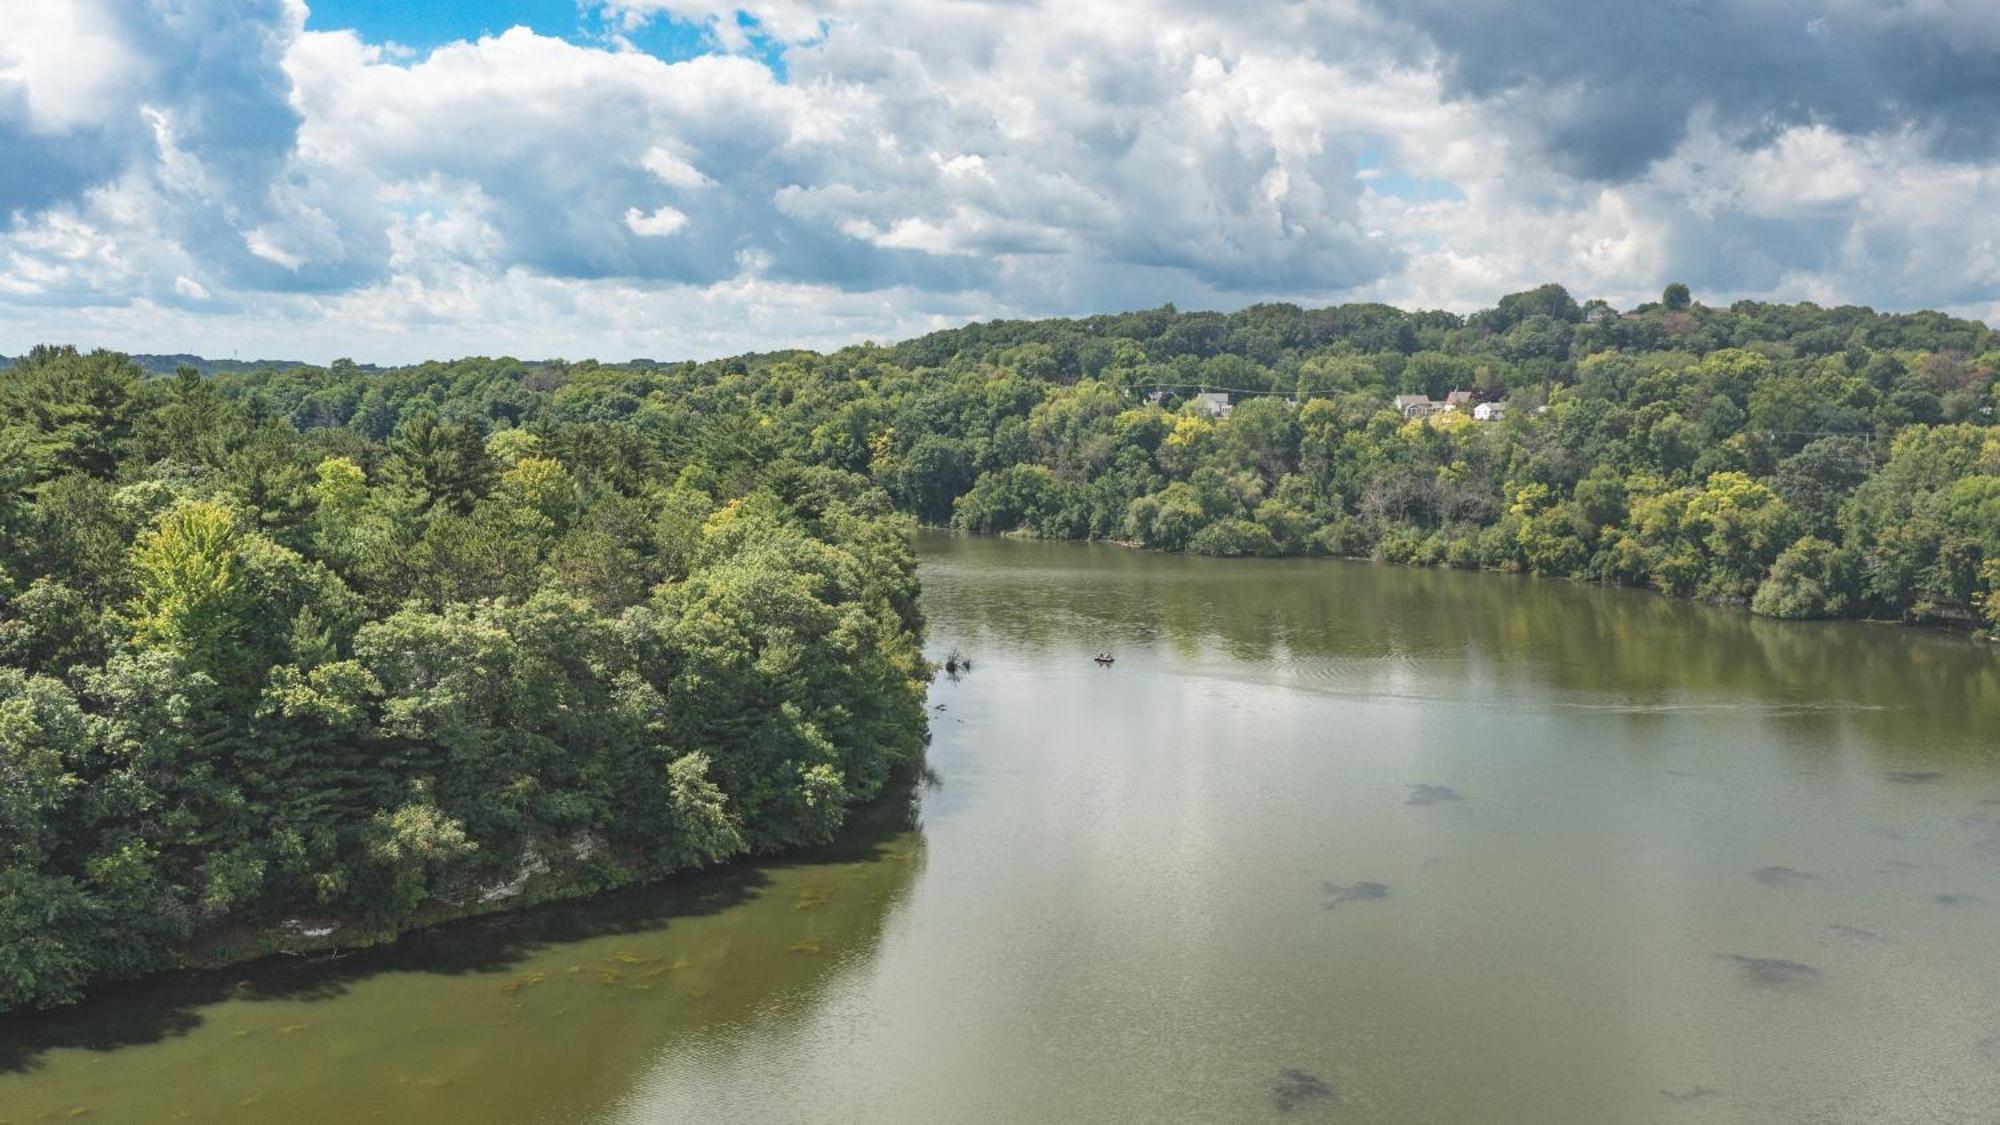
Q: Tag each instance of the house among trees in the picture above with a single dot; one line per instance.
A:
(1423, 406)
(1417, 406)
(1215, 404)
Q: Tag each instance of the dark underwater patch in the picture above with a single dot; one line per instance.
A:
(1774, 972)
(1294, 1088)
(1353, 892)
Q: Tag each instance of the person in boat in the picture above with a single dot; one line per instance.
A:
(1104, 657)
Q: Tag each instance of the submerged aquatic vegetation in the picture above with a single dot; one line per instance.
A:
(1356, 892)
(1294, 1087)
(1779, 876)
(1773, 972)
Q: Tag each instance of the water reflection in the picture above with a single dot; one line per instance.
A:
(1507, 640)
(1329, 841)
(544, 1015)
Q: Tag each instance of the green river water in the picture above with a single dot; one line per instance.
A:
(1329, 842)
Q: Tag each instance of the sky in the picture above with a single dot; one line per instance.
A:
(391, 181)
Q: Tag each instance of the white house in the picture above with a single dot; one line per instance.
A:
(1212, 403)
(1489, 412)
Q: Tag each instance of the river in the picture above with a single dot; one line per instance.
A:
(1328, 842)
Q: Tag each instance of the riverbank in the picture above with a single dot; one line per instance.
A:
(570, 883)
(1963, 625)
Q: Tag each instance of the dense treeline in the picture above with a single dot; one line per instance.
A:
(1808, 461)
(263, 677)
(330, 643)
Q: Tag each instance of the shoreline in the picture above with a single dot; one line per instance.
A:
(1952, 627)
(299, 937)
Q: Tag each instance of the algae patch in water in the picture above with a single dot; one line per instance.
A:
(1294, 1088)
(1355, 892)
(1773, 972)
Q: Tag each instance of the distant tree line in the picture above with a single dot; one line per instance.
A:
(1809, 462)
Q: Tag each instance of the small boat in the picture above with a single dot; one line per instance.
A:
(1104, 658)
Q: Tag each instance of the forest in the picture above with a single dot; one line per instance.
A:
(341, 650)
(268, 682)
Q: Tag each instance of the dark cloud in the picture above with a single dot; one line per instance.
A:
(213, 73)
(40, 170)
(1609, 87)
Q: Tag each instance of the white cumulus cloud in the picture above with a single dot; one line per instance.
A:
(182, 177)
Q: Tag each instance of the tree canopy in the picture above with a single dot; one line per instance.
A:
(328, 649)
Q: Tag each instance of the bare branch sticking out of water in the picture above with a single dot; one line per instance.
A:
(1355, 892)
(1432, 794)
(1295, 1088)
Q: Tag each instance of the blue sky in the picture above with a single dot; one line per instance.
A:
(427, 25)
(697, 177)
